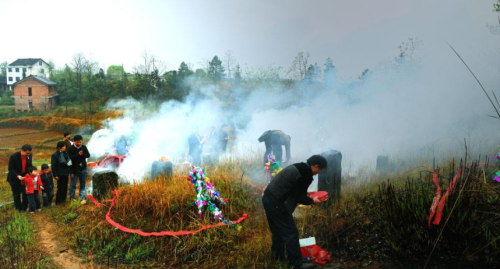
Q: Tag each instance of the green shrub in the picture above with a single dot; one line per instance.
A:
(6, 99)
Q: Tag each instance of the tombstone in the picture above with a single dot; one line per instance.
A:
(103, 183)
(161, 168)
(329, 179)
(382, 164)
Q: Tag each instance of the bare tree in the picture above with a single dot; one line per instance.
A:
(230, 61)
(263, 74)
(152, 69)
(78, 63)
(406, 49)
(299, 66)
(150, 64)
(205, 64)
(90, 68)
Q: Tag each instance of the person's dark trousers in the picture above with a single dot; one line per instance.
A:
(47, 196)
(82, 175)
(62, 189)
(284, 233)
(18, 192)
(34, 201)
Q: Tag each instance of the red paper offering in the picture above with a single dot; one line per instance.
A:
(322, 195)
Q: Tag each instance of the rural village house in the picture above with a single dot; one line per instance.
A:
(22, 68)
(34, 93)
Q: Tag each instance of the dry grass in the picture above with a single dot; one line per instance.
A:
(167, 204)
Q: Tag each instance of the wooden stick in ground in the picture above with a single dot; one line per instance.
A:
(241, 180)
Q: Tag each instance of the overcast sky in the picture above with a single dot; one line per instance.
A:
(355, 34)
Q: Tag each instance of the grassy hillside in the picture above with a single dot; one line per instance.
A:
(377, 222)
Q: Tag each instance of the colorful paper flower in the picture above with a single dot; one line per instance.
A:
(207, 197)
(271, 169)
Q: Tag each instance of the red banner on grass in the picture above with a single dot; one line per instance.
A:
(163, 233)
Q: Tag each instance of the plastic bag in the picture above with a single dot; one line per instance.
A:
(316, 253)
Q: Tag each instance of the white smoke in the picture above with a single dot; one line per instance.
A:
(152, 133)
(426, 104)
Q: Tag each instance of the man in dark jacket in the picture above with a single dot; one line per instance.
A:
(18, 164)
(281, 196)
(273, 140)
(61, 164)
(78, 154)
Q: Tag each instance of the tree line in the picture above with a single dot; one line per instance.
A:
(82, 82)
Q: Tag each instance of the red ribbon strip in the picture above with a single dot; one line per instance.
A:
(257, 187)
(163, 233)
(442, 202)
(436, 199)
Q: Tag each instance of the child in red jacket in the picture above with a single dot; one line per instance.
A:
(33, 184)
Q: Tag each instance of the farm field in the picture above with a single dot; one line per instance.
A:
(11, 139)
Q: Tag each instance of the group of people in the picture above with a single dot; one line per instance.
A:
(211, 145)
(214, 144)
(281, 196)
(68, 163)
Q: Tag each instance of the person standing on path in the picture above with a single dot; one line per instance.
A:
(61, 169)
(78, 153)
(33, 186)
(18, 165)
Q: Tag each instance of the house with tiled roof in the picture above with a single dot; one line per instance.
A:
(35, 93)
(22, 68)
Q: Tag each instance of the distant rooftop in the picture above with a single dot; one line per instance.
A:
(25, 62)
(41, 79)
(44, 80)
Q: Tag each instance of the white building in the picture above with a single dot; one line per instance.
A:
(22, 68)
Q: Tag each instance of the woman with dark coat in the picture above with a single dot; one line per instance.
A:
(61, 170)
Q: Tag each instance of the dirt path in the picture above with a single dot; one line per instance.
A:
(47, 234)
